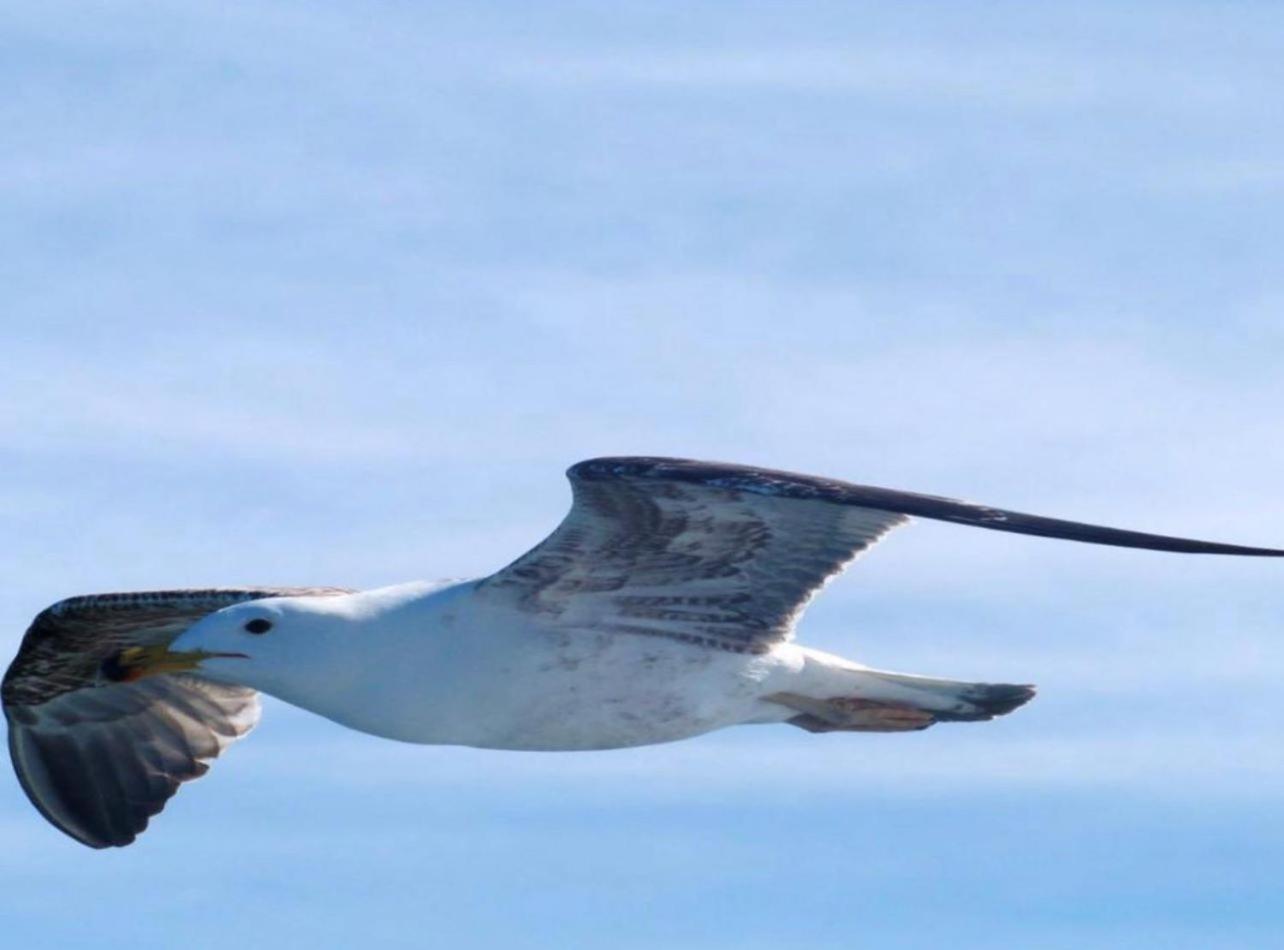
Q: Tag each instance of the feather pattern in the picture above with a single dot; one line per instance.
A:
(728, 556)
(711, 564)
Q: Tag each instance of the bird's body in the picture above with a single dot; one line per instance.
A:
(662, 607)
(421, 663)
(428, 663)
(433, 667)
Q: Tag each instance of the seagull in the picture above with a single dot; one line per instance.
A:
(662, 607)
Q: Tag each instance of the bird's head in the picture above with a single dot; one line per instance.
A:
(243, 644)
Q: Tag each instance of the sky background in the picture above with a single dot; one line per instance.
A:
(321, 293)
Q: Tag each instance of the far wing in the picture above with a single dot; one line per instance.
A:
(642, 552)
(99, 758)
(728, 555)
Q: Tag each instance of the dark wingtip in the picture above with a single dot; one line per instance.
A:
(988, 700)
(999, 699)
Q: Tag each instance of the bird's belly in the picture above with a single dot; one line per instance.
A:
(561, 691)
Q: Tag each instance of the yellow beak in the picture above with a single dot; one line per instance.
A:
(133, 663)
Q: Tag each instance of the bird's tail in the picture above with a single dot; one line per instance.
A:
(850, 698)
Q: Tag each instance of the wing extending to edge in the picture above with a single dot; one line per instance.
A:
(99, 758)
(728, 556)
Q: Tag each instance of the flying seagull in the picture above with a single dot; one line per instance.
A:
(662, 607)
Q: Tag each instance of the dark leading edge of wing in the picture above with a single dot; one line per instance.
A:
(763, 481)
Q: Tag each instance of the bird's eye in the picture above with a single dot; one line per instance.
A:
(258, 625)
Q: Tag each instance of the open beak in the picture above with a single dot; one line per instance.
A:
(133, 663)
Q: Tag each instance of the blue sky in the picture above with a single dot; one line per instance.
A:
(313, 293)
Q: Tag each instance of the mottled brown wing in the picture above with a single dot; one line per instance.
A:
(99, 758)
(722, 567)
(728, 555)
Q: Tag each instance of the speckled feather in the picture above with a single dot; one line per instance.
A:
(728, 556)
(707, 564)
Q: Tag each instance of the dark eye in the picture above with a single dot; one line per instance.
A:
(258, 625)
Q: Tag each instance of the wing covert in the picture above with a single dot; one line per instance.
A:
(706, 563)
(729, 555)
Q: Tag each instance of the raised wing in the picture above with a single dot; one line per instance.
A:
(727, 555)
(99, 758)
